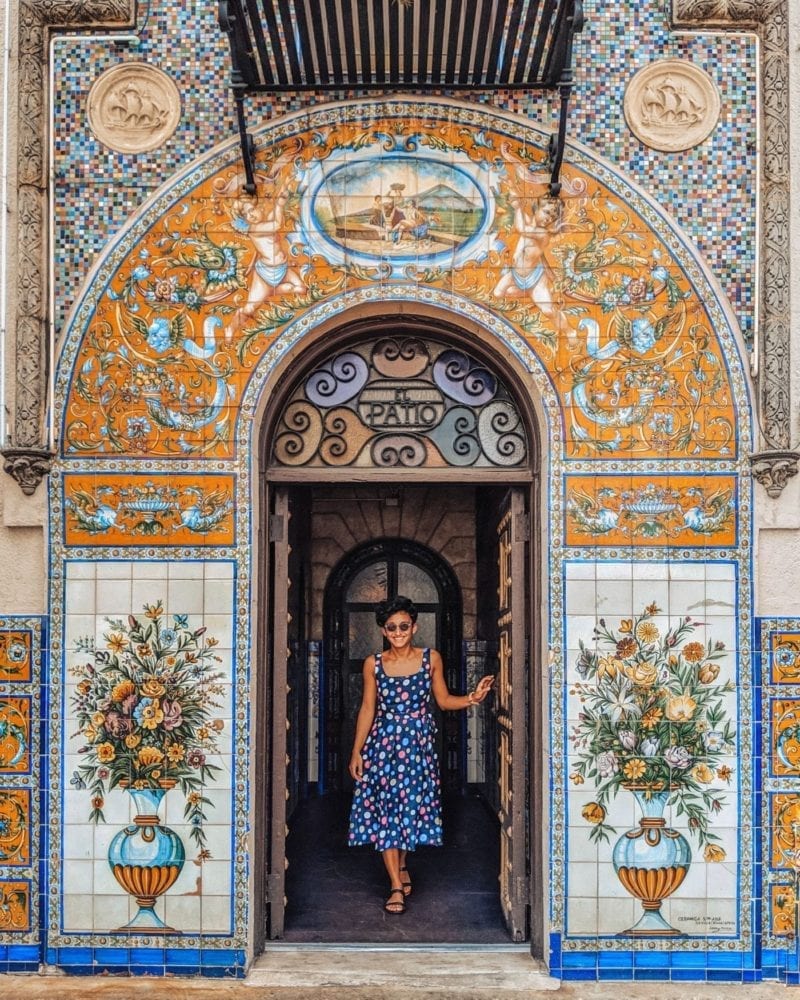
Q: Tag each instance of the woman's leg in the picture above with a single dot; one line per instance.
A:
(405, 878)
(391, 860)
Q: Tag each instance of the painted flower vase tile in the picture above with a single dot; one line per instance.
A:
(653, 723)
(145, 700)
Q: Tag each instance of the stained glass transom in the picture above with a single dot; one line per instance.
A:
(401, 402)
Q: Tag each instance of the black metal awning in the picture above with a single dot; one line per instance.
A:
(401, 45)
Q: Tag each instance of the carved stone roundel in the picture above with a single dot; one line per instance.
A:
(672, 105)
(134, 107)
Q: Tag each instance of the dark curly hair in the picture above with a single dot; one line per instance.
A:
(385, 610)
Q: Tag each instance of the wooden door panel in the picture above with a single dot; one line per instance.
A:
(279, 655)
(511, 711)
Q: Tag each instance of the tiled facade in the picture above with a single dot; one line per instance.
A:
(178, 306)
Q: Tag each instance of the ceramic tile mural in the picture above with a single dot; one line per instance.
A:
(606, 314)
(654, 754)
(147, 776)
(22, 641)
(779, 641)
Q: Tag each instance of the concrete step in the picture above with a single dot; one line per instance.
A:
(428, 970)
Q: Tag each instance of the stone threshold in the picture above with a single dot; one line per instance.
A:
(452, 969)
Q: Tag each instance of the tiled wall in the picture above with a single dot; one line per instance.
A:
(22, 709)
(631, 356)
(98, 190)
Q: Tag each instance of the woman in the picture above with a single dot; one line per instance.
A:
(396, 802)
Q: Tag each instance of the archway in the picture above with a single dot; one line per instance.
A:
(353, 521)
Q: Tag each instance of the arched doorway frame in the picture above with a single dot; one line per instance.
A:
(295, 354)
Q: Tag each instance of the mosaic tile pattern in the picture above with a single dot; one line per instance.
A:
(99, 190)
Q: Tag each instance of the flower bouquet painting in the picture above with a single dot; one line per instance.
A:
(144, 708)
(653, 722)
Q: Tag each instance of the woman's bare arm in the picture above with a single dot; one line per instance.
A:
(366, 716)
(455, 702)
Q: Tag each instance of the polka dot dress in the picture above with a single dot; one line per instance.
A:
(397, 802)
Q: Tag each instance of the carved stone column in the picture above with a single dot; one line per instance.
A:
(26, 456)
(770, 18)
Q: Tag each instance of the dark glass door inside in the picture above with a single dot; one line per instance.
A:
(369, 575)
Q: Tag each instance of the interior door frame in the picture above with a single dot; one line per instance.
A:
(451, 614)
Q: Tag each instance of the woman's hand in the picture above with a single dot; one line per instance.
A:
(483, 687)
(356, 767)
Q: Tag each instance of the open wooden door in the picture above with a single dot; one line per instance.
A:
(511, 712)
(279, 653)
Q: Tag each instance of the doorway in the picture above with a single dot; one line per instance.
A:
(452, 549)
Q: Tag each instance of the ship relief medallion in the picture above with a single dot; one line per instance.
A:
(672, 105)
(134, 108)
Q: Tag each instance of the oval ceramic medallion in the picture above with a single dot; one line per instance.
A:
(672, 105)
(134, 107)
(394, 208)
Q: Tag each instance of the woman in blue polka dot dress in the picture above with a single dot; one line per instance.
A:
(396, 803)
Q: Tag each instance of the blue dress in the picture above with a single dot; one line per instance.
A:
(397, 803)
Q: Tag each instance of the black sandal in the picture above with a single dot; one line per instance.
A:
(394, 907)
(406, 885)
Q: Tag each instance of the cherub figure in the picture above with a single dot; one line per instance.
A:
(536, 221)
(271, 274)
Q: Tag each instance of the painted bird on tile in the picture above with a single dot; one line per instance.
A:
(91, 513)
(207, 511)
(709, 514)
(589, 514)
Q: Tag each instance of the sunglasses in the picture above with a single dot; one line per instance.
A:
(402, 627)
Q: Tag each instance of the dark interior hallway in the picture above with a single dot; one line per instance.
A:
(336, 893)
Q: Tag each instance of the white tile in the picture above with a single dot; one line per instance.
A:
(80, 570)
(78, 910)
(582, 879)
(184, 596)
(148, 569)
(580, 597)
(186, 570)
(614, 570)
(646, 592)
(219, 841)
(113, 597)
(581, 915)
(113, 570)
(77, 627)
(214, 570)
(218, 597)
(113, 912)
(79, 597)
(182, 912)
(216, 914)
(216, 877)
(104, 882)
(580, 570)
(220, 627)
(145, 592)
(617, 915)
(77, 877)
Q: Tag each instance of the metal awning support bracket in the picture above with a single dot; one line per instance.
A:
(529, 47)
(575, 23)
